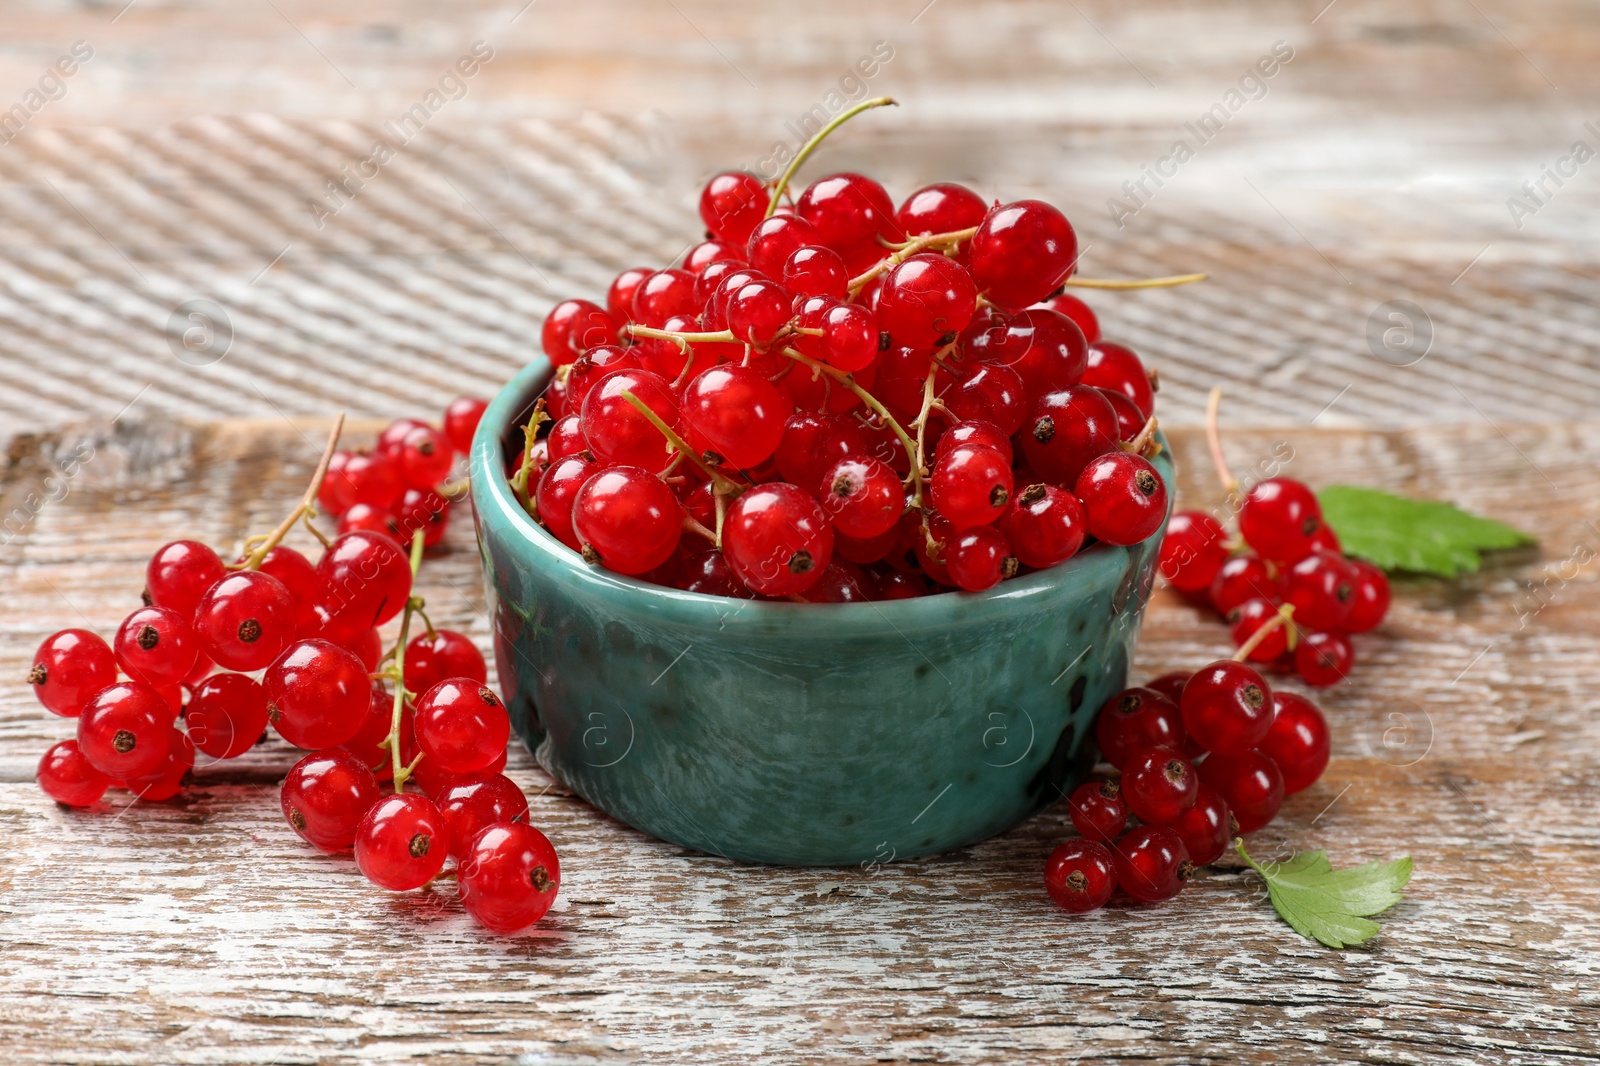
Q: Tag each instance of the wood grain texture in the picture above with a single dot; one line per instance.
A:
(199, 931)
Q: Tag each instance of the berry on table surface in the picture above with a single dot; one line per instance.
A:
(1227, 707)
(1134, 720)
(1250, 782)
(125, 729)
(508, 876)
(1206, 828)
(1151, 863)
(401, 842)
(1079, 875)
(326, 796)
(69, 668)
(68, 777)
(1098, 810)
(317, 694)
(227, 714)
(1159, 784)
(1298, 741)
(461, 725)
(471, 803)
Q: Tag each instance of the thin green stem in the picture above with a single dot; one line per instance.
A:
(530, 437)
(906, 251)
(818, 138)
(718, 482)
(413, 605)
(307, 502)
(1135, 283)
(720, 337)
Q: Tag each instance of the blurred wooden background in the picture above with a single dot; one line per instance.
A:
(188, 157)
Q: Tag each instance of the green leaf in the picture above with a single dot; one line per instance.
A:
(1398, 533)
(1330, 905)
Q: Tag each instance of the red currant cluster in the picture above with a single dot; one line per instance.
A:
(833, 399)
(309, 635)
(395, 487)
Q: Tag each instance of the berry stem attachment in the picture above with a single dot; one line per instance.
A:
(530, 435)
(1284, 617)
(720, 337)
(719, 483)
(307, 502)
(1135, 283)
(818, 138)
(906, 251)
(1230, 484)
(849, 382)
(414, 604)
(1145, 443)
(929, 403)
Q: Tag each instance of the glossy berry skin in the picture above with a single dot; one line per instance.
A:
(627, 520)
(1371, 600)
(69, 668)
(461, 725)
(509, 877)
(1135, 720)
(982, 434)
(778, 539)
(226, 716)
(424, 458)
(1021, 252)
(758, 311)
(813, 270)
(595, 364)
(366, 579)
(333, 495)
(732, 203)
(124, 730)
(1114, 367)
(1080, 313)
(1245, 620)
(940, 208)
(774, 242)
(925, 298)
(1193, 551)
(402, 842)
(1151, 863)
(1124, 497)
(736, 413)
(157, 646)
(371, 478)
(1298, 741)
(374, 729)
(167, 779)
(246, 620)
(422, 509)
(1080, 875)
(180, 573)
(709, 574)
(325, 797)
(69, 778)
(1322, 588)
(978, 558)
(364, 516)
(1046, 350)
(1170, 684)
(299, 576)
(848, 211)
(1205, 828)
(1280, 518)
(617, 432)
(992, 393)
(573, 327)
(1323, 659)
(850, 340)
(444, 653)
(473, 802)
(1044, 525)
(317, 694)
(1241, 578)
(1098, 810)
(702, 255)
(1067, 429)
(862, 496)
(971, 485)
(1227, 707)
(663, 295)
(1159, 784)
(558, 488)
(1129, 420)
(461, 420)
(1250, 782)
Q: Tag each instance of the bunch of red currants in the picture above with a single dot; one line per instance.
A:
(300, 652)
(833, 399)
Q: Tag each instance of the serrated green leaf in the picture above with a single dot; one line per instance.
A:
(1398, 533)
(1328, 905)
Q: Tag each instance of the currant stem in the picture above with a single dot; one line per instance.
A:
(693, 526)
(721, 337)
(1135, 283)
(906, 251)
(718, 482)
(1284, 617)
(921, 423)
(1145, 439)
(1230, 484)
(849, 382)
(314, 531)
(818, 138)
(271, 540)
(413, 605)
(519, 481)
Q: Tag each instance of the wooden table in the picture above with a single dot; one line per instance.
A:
(180, 165)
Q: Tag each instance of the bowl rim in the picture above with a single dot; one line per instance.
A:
(497, 506)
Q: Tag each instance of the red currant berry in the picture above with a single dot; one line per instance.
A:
(1080, 313)
(1159, 784)
(375, 728)
(1021, 252)
(848, 211)
(1323, 659)
(180, 573)
(573, 327)
(971, 485)
(167, 779)
(461, 725)
(1129, 420)
(926, 298)
(1241, 578)
(1114, 367)
(402, 842)
(941, 208)
(364, 516)
(776, 240)
(709, 574)
(813, 442)
(1192, 551)
(125, 729)
(1279, 519)
(1250, 782)
(1046, 350)
(325, 798)
(473, 802)
(425, 458)
(69, 668)
(850, 342)
(813, 270)
(595, 364)
(1205, 828)
(69, 778)
(366, 579)
(1098, 810)
(1371, 600)
(1170, 684)
(246, 619)
(558, 488)
(758, 312)
(155, 645)
(1249, 617)
(317, 694)
(862, 496)
(992, 393)
(1151, 863)
(300, 578)
(227, 714)
(509, 876)
(422, 509)
(778, 539)
(1227, 707)
(461, 420)
(1298, 741)
(1045, 525)
(333, 495)
(702, 255)
(978, 558)
(1321, 587)
(627, 519)
(732, 203)
(980, 434)
(443, 653)
(617, 432)
(1065, 430)
(1079, 875)
(735, 413)
(1135, 720)
(371, 478)
(663, 295)
(1124, 497)
(566, 438)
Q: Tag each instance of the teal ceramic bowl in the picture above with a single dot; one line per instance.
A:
(792, 733)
